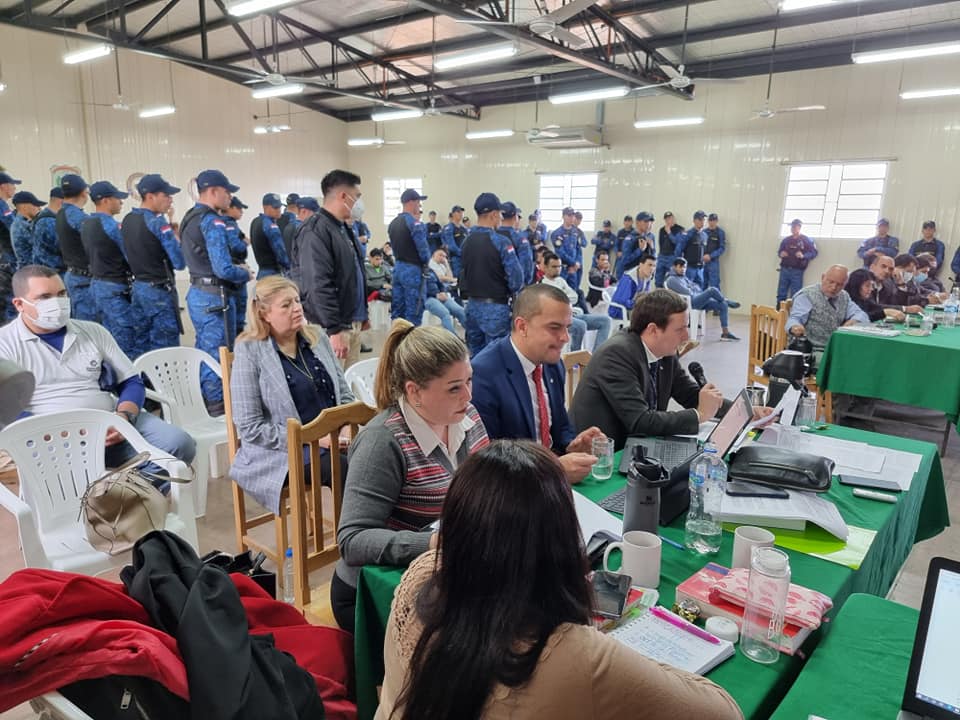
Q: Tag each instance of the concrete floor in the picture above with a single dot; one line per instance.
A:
(724, 364)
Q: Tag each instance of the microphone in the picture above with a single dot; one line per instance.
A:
(696, 372)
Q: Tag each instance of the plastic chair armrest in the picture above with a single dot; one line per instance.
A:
(33, 552)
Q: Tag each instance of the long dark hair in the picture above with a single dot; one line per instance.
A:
(856, 280)
(511, 568)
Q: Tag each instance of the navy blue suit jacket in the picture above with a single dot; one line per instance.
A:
(502, 396)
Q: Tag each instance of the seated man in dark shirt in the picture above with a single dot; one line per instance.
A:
(900, 290)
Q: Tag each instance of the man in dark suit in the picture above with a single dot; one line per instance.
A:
(615, 392)
(518, 381)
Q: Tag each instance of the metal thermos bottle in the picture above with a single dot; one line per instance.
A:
(641, 507)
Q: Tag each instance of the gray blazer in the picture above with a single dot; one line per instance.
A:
(261, 405)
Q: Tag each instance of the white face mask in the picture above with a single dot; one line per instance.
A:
(356, 212)
(52, 313)
(921, 277)
(906, 276)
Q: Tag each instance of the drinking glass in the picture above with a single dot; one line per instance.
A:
(602, 450)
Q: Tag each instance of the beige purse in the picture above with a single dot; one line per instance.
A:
(124, 505)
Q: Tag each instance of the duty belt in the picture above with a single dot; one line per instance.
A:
(492, 301)
(78, 271)
(164, 284)
(202, 282)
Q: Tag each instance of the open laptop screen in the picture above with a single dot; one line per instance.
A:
(732, 424)
(933, 688)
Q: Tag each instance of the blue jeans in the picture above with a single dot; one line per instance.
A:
(409, 292)
(162, 435)
(711, 299)
(791, 282)
(711, 273)
(158, 309)
(664, 263)
(696, 274)
(582, 323)
(207, 314)
(446, 311)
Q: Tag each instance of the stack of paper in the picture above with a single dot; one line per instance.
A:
(792, 514)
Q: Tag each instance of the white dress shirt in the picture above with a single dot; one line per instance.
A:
(428, 440)
(528, 368)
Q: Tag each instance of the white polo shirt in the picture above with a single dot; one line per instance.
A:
(67, 380)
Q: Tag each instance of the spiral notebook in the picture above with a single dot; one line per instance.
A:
(673, 642)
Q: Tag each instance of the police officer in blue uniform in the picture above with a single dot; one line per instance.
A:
(69, 219)
(604, 241)
(21, 231)
(532, 232)
(203, 234)
(46, 249)
(266, 239)
(360, 229)
(624, 235)
(238, 245)
(452, 237)
(508, 228)
(566, 244)
(289, 231)
(716, 246)
(154, 255)
(491, 276)
(112, 278)
(666, 246)
(8, 258)
(880, 244)
(541, 228)
(691, 247)
(408, 237)
(638, 244)
(929, 243)
(434, 232)
(307, 207)
(796, 251)
(290, 214)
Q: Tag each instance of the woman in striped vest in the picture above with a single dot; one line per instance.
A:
(402, 462)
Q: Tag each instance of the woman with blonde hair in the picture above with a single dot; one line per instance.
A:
(281, 369)
(402, 461)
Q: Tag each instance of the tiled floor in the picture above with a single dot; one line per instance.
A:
(724, 363)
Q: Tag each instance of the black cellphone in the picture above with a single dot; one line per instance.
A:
(610, 591)
(741, 488)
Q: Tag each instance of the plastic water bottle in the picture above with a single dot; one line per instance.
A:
(708, 480)
(288, 577)
(950, 308)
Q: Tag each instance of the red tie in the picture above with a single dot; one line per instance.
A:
(542, 407)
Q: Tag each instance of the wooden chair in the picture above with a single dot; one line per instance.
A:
(574, 362)
(242, 524)
(768, 336)
(306, 508)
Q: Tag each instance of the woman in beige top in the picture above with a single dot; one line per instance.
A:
(501, 627)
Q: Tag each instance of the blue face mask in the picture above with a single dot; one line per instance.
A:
(921, 277)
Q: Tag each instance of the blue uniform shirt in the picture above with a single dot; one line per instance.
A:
(418, 231)
(6, 213)
(689, 237)
(566, 244)
(214, 231)
(632, 252)
(112, 228)
(935, 246)
(235, 243)
(508, 258)
(46, 247)
(160, 226)
(447, 238)
(721, 246)
(888, 245)
(275, 237)
(21, 237)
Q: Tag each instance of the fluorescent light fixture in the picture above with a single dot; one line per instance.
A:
(667, 122)
(906, 53)
(788, 5)
(272, 91)
(385, 115)
(270, 129)
(474, 57)
(934, 93)
(364, 142)
(488, 134)
(157, 111)
(617, 91)
(3, 86)
(88, 53)
(249, 7)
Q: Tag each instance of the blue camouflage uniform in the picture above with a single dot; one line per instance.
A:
(452, 236)
(8, 264)
(524, 249)
(207, 303)
(113, 299)
(888, 245)
(567, 246)
(690, 245)
(487, 321)
(361, 228)
(238, 253)
(716, 246)
(632, 253)
(667, 251)
(158, 305)
(21, 235)
(409, 280)
(623, 237)
(604, 241)
(275, 237)
(83, 306)
(46, 249)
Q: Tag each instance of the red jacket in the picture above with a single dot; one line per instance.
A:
(57, 628)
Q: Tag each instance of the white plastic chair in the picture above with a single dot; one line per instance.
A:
(359, 377)
(57, 456)
(624, 313)
(379, 314)
(698, 319)
(54, 706)
(175, 375)
(601, 307)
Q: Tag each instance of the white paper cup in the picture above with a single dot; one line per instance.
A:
(641, 557)
(745, 539)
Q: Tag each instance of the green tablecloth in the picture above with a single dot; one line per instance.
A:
(843, 678)
(919, 371)
(921, 513)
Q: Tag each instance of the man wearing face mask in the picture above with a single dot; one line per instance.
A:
(899, 290)
(71, 359)
(409, 239)
(328, 260)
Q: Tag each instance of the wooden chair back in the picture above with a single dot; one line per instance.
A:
(768, 336)
(574, 362)
(306, 508)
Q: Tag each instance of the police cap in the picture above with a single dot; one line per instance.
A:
(236, 202)
(72, 185)
(56, 193)
(456, 208)
(410, 195)
(699, 215)
(667, 214)
(292, 199)
(486, 202)
(214, 178)
(106, 189)
(532, 216)
(929, 224)
(883, 221)
(796, 221)
(308, 203)
(8, 179)
(607, 223)
(153, 183)
(569, 211)
(27, 198)
(272, 200)
(509, 209)
(713, 216)
(644, 215)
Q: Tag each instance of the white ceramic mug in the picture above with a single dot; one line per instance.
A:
(641, 557)
(745, 539)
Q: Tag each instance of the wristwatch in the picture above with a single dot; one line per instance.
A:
(130, 416)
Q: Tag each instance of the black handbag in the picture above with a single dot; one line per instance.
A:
(779, 467)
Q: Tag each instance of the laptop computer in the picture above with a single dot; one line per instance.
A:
(673, 452)
(933, 690)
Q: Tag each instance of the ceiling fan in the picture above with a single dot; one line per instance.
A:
(767, 112)
(550, 24)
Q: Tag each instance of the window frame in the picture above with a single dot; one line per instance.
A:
(850, 203)
(391, 194)
(553, 217)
